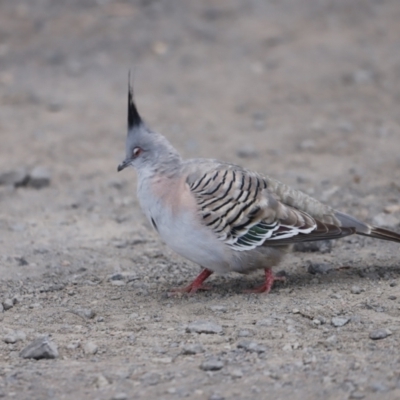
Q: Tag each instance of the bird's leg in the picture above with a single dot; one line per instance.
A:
(270, 278)
(196, 285)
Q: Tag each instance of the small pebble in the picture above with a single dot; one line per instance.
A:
(14, 337)
(190, 349)
(216, 396)
(117, 277)
(244, 333)
(101, 381)
(117, 283)
(393, 208)
(90, 348)
(357, 395)
(132, 338)
(319, 268)
(40, 348)
(378, 334)
(120, 396)
(236, 373)
(355, 289)
(85, 313)
(251, 347)
(212, 364)
(73, 345)
(8, 304)
(39, 177)
(218, 308)
(339, 321)
(204, 327)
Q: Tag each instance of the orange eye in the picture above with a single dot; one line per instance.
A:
(136, 151)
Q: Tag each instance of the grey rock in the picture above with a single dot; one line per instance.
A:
(8, 304)
(39, 177)
(378, 334)
(218, 308)
(132, 338)
(204, 327)
(355, 289)
(339, 321)
(40, 348)
(120, 396)
(16, 177)
(319, 268)
(192, 348)
(1, 308)
(236, 373)
(73, 345)
(357, 395)
(251, 346)
(14, 337)
(212, 364)
(244, 333)
(90, 348)
(117, 277)
(85, 313)
(101, 381)
(216, 396)
(321, 246)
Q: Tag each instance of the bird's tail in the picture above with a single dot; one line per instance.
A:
(367, 230)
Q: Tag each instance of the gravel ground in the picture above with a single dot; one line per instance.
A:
(304, 91)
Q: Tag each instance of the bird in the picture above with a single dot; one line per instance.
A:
(224, 217)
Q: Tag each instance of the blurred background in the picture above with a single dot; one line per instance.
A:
(306, 91)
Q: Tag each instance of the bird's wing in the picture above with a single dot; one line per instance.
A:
(244, 212)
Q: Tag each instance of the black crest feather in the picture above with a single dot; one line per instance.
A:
(133, 115)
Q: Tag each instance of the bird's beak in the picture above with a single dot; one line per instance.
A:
(124, 164)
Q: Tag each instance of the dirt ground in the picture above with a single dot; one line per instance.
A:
(305, 91)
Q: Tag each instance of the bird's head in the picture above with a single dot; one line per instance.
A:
(144, 148)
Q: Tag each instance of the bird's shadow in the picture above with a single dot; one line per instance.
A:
(300, 278)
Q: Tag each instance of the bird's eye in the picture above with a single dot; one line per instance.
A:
(136, 151)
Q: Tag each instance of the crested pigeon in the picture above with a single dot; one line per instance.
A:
(222, 216)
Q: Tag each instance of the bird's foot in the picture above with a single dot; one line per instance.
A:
(270, 278)
(196, 285)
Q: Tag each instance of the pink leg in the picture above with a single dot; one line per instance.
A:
(270, 278)
(196, 285)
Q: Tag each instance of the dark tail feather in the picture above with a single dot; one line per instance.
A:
(367, 230)
(381, 233)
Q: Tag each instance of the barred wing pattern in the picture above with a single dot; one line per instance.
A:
(237, 205)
